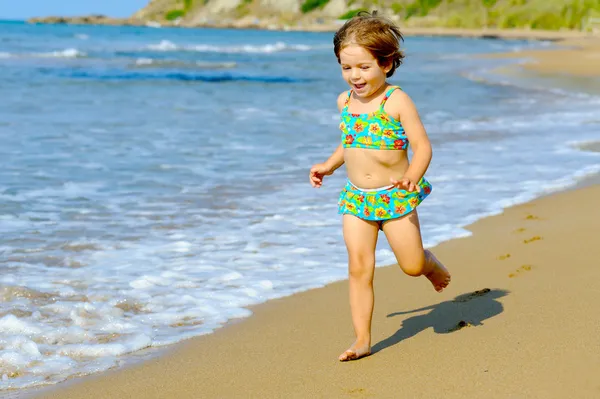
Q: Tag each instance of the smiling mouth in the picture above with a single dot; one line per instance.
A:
(360, 86)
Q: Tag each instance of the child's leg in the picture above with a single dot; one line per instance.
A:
(404, 236)
(361, 239)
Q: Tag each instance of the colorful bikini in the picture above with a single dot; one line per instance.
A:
(379, 131)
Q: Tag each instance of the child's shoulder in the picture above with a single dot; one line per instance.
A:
(398, 101)
(397, 95)
(342, 98)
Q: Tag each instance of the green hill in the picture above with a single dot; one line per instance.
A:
(533, 14)
(529, 14)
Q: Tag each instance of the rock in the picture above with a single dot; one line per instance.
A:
(94, 19)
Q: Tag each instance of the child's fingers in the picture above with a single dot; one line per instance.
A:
(316, 180)
(397, 183)
(401, 185)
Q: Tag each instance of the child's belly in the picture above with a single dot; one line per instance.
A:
(373, 168)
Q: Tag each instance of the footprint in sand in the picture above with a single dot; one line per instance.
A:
(468, 297)
(532, 239)
(520, 230)
(465, 298)
(532, 217)
(505, 256)
(519, 271)
(356, 391)
(460, 325)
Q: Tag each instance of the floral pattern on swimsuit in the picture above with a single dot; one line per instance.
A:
(381, 205)
(380, 131)
(376, 130)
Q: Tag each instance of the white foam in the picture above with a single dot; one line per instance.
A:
(10, 324)
(66, 53)
(166, 45)
(144, 61)
(132, 344)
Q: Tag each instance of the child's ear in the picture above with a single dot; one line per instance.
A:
(387, 68)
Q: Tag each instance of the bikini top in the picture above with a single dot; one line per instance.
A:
(377, 130)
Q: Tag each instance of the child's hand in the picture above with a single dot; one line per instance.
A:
(406, 184)
(317, 172)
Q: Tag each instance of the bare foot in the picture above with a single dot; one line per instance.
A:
(439, 276)
(354, 353)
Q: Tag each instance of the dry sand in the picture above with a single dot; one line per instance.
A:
(526, 34)
(579, 57)
(525, 290)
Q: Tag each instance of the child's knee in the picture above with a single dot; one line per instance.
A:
(413, 270)
(361, 266)
(414, 267)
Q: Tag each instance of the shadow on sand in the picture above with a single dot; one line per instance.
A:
(463, 311)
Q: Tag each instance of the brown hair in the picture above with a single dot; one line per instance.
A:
(378, 35)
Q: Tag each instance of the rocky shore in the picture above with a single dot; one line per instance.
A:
(95, 19)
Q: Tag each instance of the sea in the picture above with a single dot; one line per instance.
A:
(154, 181)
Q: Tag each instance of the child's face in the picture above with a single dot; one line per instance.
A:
(362, 71)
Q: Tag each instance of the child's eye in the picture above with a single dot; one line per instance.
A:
(365, 67)
(345, 68)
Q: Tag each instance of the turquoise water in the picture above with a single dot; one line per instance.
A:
(153, 182)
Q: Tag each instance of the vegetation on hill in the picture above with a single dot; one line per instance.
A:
(534, 14)
(528, 14)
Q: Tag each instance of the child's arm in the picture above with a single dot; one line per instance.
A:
(320, 170)
(430, 307)
(404, 107)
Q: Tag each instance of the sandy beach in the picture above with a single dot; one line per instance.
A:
(524, 288)
(519, 320)
(576, 56)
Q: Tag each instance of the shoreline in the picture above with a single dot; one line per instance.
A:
(571, 57)
(75, 386)
(570, 64)
(75, 383)
(235, 360)
(158, 354)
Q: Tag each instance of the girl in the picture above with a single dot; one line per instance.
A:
(378, 121)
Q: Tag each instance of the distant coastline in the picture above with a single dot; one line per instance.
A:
(321, 26)
(559, 19)
(92, 19)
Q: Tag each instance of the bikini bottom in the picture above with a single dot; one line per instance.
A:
(381, 204)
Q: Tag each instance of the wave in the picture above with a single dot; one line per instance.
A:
(167, 45)
(66, 53)
(153, 63)
(178, 76)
